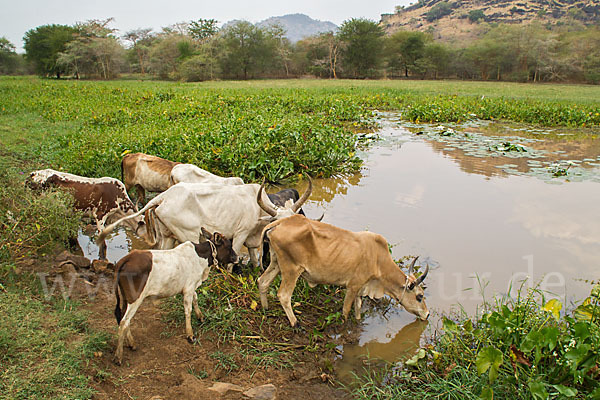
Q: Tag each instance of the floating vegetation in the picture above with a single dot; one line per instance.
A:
(535, 151)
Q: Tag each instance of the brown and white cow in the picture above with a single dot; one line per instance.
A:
(103, 199)
(324, 254)
(164, 273)
(146, 173)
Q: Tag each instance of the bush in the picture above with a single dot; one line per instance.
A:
(30, 222)
(196, 69)
(476, 15)
(438, 11)
(520, 348)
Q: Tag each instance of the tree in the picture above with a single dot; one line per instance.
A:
(203, 29)
(43, 44)
(322, 53)
(169, 51)
(246, 50)
(277, 33)
(435, 59)
(403, 49)
(363, 45)
(476, 15)
(94, 51)
(438, 11)
(10, 61)
(141, 39)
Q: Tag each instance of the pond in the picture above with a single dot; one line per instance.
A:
(485, 220)
(488, 207)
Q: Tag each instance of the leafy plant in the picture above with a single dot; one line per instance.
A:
(526, 347)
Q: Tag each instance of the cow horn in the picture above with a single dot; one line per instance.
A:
(411, 267)
(320, 218)
(267, 208)
(423, 276)
(296, 206)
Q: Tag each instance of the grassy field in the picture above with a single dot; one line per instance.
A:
(272, 129)
(254, 129)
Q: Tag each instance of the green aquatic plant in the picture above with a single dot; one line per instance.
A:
(525, 348)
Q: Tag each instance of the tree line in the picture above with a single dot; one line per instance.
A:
(199, 50)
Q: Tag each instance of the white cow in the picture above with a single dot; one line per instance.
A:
(190, 173)
(239, 212)
(165, 273)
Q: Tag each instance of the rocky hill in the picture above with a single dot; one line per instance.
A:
(460, 20)
(299, 26)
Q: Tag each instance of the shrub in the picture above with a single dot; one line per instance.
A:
(476, 15)
(519, 348)
(438, 11)
(31, 222)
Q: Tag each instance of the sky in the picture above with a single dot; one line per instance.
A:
(17, 17)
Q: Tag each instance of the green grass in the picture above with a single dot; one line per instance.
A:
(45, 347)
(261, 338)
(272, 129)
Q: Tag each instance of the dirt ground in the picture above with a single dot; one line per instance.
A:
(165, 365)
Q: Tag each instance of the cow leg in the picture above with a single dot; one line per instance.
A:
(253, 251)
(266, 279)
(130, 341)
(140, 195)
(124, 327)
(289, 277)
(357, 307)
(236, 246)
(196, 308)
(351, 296)
(166, 243)
(102, 246)
(187, 308)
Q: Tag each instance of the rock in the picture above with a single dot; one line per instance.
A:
(102, 266)
(224, 388)
(189, 388)
(66, 268)
(78, 261)
(264, 392)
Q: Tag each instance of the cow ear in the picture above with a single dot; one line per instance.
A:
(206, 234)
(218, 239)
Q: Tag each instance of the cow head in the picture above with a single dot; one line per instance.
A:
(225, 253)
(410, 294)
(38, 180)
(288, 209)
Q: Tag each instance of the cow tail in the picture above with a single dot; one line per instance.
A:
(119, 311)
(122, 168)
(262, 239)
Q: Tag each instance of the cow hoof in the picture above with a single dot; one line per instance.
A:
(192, 339)
(298, 327)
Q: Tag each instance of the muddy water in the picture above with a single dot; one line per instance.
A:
(118, 244)
(481, 228)
(484, 219)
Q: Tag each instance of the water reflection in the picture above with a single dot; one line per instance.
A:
(396, 345)
(118, 244)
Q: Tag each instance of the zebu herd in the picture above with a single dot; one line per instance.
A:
(200, 220)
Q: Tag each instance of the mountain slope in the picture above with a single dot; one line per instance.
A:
(458, 20)
(299, 26)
